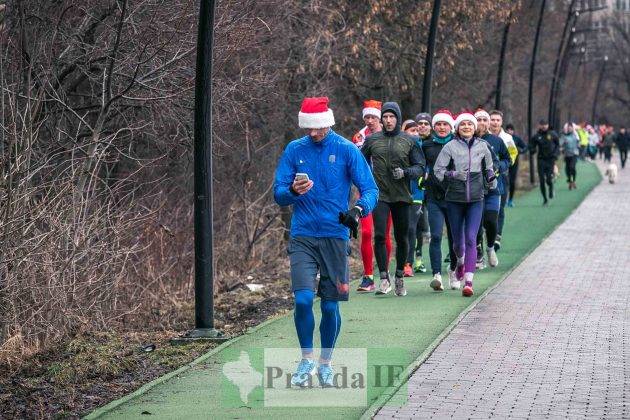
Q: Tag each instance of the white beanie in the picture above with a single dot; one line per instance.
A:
(482, 113)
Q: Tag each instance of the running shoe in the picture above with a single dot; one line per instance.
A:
(303, 374)
(497, 243)
(467, 291)
(399, 289)
(385, 287)
(510, 203)
(447, 259)
(326, 376)
(408, 271)
(481, 264)
(452, 280)
(436, 283)
(493, 261)
(419, 267)
(367, 285)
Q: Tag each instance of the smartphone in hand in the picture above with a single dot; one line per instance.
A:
(301, 176)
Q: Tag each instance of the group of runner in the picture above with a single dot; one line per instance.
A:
(576, 142)
(435, 172)
(427, 174)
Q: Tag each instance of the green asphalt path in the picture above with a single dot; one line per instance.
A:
(393, 330)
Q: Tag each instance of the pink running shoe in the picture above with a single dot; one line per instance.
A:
(467, 291)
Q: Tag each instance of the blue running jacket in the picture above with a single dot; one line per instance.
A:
(333, 164)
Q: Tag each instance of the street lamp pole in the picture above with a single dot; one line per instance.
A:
(504, 41)
(597, 88)
(428, 61)
(556, 70)
(202, 155)
(532, 69)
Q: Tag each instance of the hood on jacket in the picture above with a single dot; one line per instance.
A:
(395, 109)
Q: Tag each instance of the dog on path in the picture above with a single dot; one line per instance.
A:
(611, 173)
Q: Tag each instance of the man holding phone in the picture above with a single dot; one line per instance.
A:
(314, 175)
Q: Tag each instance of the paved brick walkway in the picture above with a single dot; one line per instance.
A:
(553, 340)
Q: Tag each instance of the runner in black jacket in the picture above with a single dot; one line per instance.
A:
(546, 144)
(434, 195)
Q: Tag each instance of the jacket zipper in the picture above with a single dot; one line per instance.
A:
(468, 174)
(389, 158)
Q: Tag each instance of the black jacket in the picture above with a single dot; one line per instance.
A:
(546, 145)
(389, 150)
(520, 145)
(623, 140)
(434, 189)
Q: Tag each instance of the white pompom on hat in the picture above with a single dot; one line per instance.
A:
(465, 116)
(314, 113)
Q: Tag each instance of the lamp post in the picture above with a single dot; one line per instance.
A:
(597, 88)
(532, 69)
(204, 262)
(504, 41)
(559, 54)
(428, 61)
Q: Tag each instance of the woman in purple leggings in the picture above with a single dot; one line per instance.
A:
(465, 166)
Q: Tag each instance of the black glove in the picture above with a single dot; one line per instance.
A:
(351, 220)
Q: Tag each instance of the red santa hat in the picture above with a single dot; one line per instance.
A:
(372, 107)
(315, 113)
(443, 115)
(465, 116)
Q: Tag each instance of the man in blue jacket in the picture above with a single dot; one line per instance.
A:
(314, 175)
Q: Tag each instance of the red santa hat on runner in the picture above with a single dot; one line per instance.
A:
(465, 116)
(315, 113)
(443, 115)
(372, 107)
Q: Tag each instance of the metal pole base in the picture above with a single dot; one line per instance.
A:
(201, 334)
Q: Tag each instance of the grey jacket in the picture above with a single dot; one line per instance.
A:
(570, 144)
(460, 166)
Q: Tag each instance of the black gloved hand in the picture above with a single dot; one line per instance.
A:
(351, 220)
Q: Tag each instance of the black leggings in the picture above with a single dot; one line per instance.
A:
(607, 153)
(417, 226)
(513, 173)
(545, 176)
(489, 222)
(623, 155)
(400, 219)
(569, 167)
